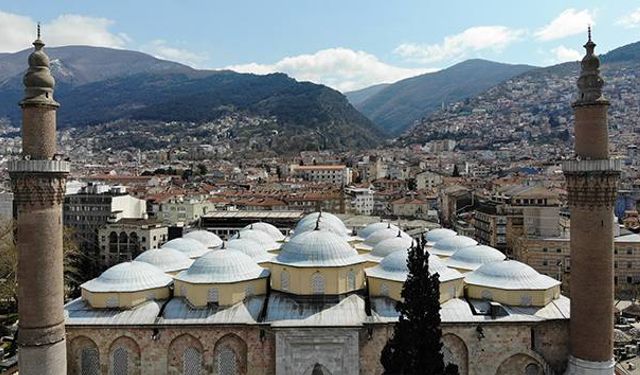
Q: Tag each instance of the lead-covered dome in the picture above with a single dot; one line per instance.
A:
(222, 266)
(449, 245)
(509, 275)
(394, 267)
(326, 221)
(189, 246)
(265, 240)
(382, 234)
(167, 259)
(390, 245)
(471, 257)
(317, 248)
(208, 239)
(435, 235)
(269, 229)
(250, 247)
(371, 228)
(128, 277)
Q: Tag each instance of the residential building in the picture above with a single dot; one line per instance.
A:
(125, 239)
(339, 175)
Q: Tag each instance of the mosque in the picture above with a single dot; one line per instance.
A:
(320, 301)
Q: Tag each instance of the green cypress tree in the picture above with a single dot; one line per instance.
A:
(416, 346)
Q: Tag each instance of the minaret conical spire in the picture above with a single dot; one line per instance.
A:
(38, 81)
(590, 82)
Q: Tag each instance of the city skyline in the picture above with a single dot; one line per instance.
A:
(345, 46)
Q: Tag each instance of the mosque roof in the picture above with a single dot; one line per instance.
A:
(394, 267)
(449, 245)
(371, 228)
(269, 229)
(252, 248)
(208, 239)
(383, 234)
(472, 257)
(390, 245)
(264, 239)
(189, 246)
(131, 276)
(326, 221)
(435, 235)
(222, 266)
(509, 275)
(317, 248)
(166, 258)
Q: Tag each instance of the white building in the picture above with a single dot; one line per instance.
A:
(339, 175)
(428, 180)
(123, 240)
(361, 200)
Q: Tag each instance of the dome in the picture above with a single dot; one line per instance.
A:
(192, 248)
(394, 267)
(472, 257)
(265, 240)
(269, 229)
(371, 228)
(390, 245)
(222, 266)
(128, 277)
(318, 248)
(205, 237)
(383, 234)
(509, 275)
(328, 222)
(250, 247)
(435, 235)
(447, 246)
(166, 258)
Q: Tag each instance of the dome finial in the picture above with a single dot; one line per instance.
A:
(388, 224)
(399, 232)
(317, 223)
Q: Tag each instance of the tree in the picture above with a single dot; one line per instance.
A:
(202, 169)
(73, 258)
(416, 347)
(456, 171)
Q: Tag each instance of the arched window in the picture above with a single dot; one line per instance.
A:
(192, 362)
(212, 296)
(123, 238)
(249, 291)
(112, 301)
(526, 300)
(317, 283)
(384, 289)
(351, 280)
(134, 244)
(486, 294)
(90, 361)
(226, 361)
(113, 242)
(120, 361)
(284, 280)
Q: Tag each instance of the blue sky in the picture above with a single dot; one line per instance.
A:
(346, 44)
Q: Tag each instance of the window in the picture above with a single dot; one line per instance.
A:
(558, 250)
(120, 361)
(317, 283)
(630, 251)
(629, 264)
(226, 362)
(544, 250)
(545, 263)
(384, 289)
(192, 362)
(212, 295)
(629, 280)
(486, 294)
(112, 301)
(284, 280)
(525, 300)
(249, 291)
(351, 280)
(90, 361)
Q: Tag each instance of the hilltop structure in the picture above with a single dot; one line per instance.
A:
(38, 182)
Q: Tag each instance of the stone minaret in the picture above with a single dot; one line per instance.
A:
(592, 182)
(38, 182)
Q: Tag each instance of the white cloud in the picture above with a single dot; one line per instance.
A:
(17, 32)
(631, 20)
(569, 22)
(563, 54)
(341, 68)
(160, 49)
(473, 39)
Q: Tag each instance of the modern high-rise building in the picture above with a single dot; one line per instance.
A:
(592, 184)
(38, 182)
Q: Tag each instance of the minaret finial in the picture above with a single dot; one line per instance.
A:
(589, 32)
(38, 31)
(590, 83)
